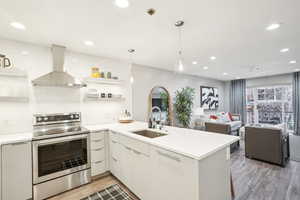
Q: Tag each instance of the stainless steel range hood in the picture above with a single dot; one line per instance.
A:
(58, 77)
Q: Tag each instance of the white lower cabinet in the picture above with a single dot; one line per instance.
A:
(141, 176)
(98, 152)
(135, 166)
(126, 165)
(16, 171)
(114, 154)
(175, 176)
(154, 173)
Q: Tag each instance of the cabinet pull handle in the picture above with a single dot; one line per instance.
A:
(115, 159)
(97, 162)
(128, 148)
(169, 156)
(99, 149)
(97, 140)
(137, 152)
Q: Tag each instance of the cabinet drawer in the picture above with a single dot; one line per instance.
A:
(98, 154)
(98, 167)
(135, 145)
(97, 143)
(97, 135)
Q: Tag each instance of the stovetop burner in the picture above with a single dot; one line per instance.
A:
(57, 125)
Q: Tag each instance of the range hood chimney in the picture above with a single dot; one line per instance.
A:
(58, 77)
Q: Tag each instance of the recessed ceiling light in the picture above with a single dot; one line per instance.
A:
(225, 73)
(24, 53)
(195, 62)
(284, 50)
(293, 62)
(18, 25)
(89, 43)
(213, 58)
(205, 68)
(237, 77)
(122, 3)
(273, 27)
(297, 69)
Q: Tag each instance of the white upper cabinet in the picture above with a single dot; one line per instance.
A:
(16, 171)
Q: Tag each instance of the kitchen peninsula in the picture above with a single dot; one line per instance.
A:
(183, 164)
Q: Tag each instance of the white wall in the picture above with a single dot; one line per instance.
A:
(145, 78)
(17, 117)
(270, 80)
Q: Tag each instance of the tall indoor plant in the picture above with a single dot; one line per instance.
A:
(183, 105)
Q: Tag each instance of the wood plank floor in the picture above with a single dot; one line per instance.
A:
(256, 180)
(253, 180)
(91, 188)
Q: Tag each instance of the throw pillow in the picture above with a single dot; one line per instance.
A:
(230, 116)
(213, 117)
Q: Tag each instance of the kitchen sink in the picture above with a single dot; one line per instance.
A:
(149, 133)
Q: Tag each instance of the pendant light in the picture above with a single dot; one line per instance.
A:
(179, 64)
(131, 52)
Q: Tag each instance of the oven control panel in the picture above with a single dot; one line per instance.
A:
(43, 119)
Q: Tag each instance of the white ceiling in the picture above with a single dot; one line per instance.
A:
(232, 30)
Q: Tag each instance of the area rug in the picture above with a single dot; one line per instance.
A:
(114, 192)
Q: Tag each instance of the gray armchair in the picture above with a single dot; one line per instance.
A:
(267, 144)
(223, 129)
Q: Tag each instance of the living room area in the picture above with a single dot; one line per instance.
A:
(264, 112)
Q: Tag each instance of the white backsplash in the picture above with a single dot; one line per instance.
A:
(17, 116)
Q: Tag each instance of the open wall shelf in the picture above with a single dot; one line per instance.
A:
(104, 99)
(104, 81)
(13, 73)
(13, 99)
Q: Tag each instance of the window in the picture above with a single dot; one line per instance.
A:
(270, 105)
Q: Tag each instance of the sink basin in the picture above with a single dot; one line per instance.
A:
(149, 134)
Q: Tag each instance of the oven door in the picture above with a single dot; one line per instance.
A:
(57, 157)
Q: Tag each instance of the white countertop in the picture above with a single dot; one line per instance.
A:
(192, 143)
(15, 138)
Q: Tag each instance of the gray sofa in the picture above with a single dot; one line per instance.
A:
(267, 144)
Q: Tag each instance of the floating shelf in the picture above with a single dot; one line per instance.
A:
(104, 99)
(13, 73)
(14, 99)
(103, 81)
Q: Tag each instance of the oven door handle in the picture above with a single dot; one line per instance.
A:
(59, 140)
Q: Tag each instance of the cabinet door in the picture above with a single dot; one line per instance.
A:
(126, 165)
(175, 176)
(141, 174)
(114, 155)
(16, 171)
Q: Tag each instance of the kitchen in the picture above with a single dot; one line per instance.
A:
(53, 100)
(55, 120)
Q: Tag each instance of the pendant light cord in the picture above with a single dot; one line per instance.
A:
(180, 41)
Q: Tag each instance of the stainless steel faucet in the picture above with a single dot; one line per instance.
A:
(152, 122)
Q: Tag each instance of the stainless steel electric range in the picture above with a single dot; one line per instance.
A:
(60, 154)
